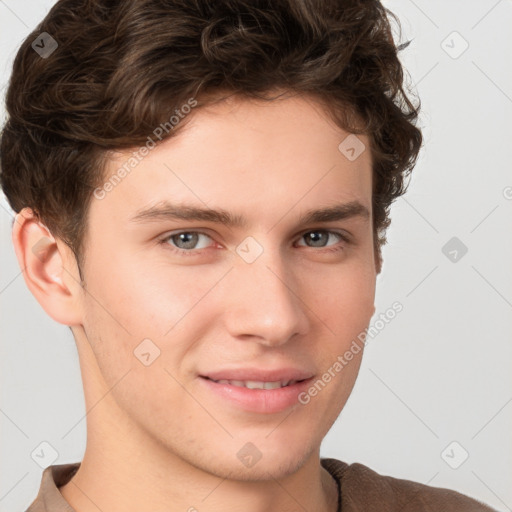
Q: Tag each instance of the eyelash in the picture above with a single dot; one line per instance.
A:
(196, 252)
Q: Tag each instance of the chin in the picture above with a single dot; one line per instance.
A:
(269, 467)
(261, 460)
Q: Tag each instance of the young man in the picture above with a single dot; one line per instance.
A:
(202, 191)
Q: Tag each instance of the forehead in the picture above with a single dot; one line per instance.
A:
(259, 158)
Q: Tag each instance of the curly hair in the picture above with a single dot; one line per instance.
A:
(121, 66)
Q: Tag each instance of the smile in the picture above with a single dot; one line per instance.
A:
(255, 384)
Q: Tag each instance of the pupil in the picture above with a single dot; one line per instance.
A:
(191, 239)
(316, 235)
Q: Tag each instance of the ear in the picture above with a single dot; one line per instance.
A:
(49, 268)
(378, 268)
(378, 260)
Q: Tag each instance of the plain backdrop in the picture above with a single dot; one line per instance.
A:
(433, 401)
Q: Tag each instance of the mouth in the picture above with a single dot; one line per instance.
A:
(255, 396)
(257, 384)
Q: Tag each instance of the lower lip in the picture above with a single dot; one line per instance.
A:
(264, 401)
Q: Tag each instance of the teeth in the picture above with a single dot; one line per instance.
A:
(255, 384)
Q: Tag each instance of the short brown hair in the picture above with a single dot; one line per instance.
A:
(122, 66)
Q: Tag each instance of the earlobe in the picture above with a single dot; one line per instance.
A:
(44, 261)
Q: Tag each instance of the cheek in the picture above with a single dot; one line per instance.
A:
(143, 297)
(132, 301)
(344, 299)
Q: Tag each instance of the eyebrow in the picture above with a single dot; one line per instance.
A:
(169, 211)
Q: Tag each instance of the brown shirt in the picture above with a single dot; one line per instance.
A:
(362, 490)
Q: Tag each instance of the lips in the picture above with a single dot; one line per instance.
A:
(282, 375)
(228, 393)
(257, 390)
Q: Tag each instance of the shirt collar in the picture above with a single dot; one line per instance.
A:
(49, 497)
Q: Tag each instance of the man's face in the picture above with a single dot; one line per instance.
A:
(274, 295)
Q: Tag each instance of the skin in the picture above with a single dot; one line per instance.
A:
(157, 440)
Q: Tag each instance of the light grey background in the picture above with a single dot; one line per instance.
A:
(440, 371)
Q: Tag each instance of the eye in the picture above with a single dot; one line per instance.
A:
(186, 242)
(319, 237)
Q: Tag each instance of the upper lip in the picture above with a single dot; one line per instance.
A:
(259, 374)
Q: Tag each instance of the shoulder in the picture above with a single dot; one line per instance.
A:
(364, 489)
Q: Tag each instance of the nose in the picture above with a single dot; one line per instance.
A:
(263, 301)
